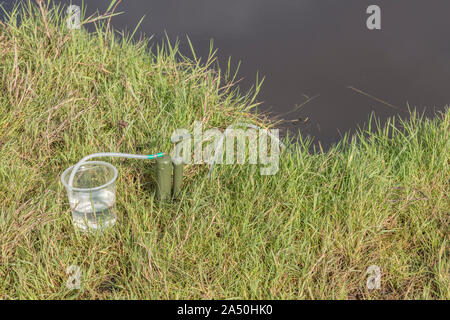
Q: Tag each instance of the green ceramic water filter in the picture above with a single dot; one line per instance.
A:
(177, 176)
(163, 178)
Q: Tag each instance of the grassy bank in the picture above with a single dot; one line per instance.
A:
(308, 232)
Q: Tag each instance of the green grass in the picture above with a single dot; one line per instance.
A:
(308, 232)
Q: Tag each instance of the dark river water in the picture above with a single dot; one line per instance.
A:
(315, 48)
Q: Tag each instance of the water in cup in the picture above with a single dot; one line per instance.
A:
(92, 197)
(94, 211)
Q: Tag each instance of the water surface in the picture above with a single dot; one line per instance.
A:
(315, 48)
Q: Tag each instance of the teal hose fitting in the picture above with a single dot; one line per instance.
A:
(154, 156)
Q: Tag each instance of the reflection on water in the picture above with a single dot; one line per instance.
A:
(318, 49)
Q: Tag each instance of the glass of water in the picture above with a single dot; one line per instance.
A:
(92, 196)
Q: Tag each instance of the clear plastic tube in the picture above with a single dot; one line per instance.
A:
(110, 154)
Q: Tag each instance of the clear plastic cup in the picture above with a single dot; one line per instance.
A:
(92, 197)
